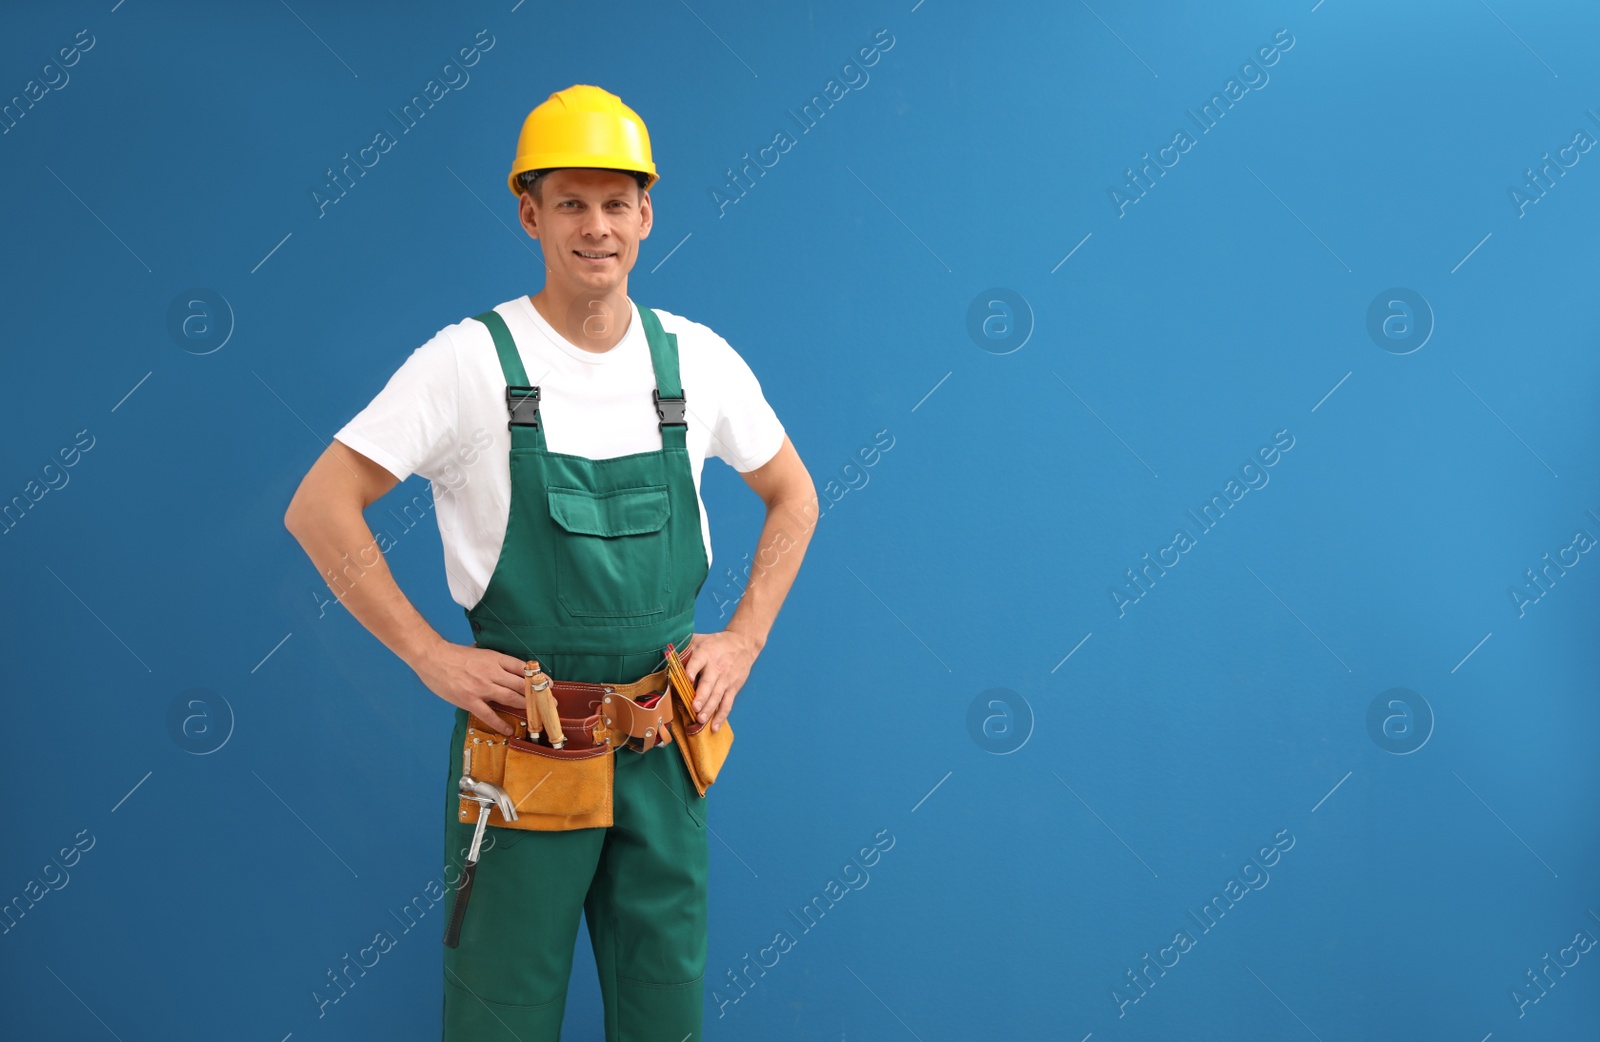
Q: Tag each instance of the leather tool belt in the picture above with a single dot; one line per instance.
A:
(556, 789)
(560, 778)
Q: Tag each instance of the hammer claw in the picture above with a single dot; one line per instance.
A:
(488, 793)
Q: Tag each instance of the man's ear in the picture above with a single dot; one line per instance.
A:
(527, 215)
(647, 216)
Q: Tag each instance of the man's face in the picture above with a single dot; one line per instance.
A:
(589, 225)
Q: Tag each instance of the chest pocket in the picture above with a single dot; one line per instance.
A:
(613, 558)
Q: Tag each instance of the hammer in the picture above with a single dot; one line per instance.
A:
(487, 796)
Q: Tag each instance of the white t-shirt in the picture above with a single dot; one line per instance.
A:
(443, 415)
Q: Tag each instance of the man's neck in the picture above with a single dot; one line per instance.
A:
(595, 324)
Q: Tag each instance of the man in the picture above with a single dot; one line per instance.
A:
(519, 494)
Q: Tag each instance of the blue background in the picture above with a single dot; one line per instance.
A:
(1065, 773)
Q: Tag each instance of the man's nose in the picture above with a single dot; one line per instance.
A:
(595, 225)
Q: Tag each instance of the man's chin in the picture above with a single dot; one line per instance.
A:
(602, 281)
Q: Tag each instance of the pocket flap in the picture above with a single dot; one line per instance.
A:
(628, 511)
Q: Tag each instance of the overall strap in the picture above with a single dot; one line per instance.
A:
(670, 403)
(522, 399)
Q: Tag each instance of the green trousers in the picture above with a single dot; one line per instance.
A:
(641, 884)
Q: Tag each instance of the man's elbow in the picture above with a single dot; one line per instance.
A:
(309, 505)
(797, 501)
(296, 518)
(801, 492)
(341, 482)
(790, 490)
(783, 481)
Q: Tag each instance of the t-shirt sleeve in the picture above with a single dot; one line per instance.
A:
(747, 433)
(410, 427)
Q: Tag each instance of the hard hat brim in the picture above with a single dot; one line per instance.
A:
(576, 160)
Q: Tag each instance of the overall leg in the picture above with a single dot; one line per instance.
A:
(647, 905)
(507, 979)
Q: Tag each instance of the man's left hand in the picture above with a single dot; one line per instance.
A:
(718, 664)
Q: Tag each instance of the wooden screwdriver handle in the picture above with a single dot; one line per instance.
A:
(543, 695)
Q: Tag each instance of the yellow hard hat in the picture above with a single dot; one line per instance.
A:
(585, 127)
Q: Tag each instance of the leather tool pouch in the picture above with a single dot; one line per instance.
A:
(703, 749)
(556, 790)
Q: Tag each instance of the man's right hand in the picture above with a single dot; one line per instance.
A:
(470, 677)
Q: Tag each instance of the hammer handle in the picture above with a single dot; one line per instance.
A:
(452, 933)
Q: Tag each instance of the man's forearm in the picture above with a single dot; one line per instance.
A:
(346, 555)
(784, 538)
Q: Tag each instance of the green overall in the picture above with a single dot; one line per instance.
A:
(600, 568)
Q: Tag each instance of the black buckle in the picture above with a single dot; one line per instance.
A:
(523, 404)
(677, 407)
